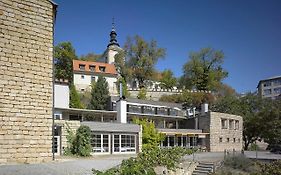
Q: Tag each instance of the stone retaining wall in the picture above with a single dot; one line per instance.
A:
(26, 56)
(72, 125)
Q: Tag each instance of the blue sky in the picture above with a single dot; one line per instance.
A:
(247, 31)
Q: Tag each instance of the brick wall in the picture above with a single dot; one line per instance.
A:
(26, 44)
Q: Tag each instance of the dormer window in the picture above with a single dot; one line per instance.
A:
(82, 67)
(102, 68)
(92, 68)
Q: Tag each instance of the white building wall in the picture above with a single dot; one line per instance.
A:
(61, 98)
(110, 56)
(85, 83)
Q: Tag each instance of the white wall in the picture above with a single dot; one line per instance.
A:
(86, 82)
(110, 56)
(61, 98)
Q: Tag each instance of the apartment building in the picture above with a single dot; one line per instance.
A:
(270, 88)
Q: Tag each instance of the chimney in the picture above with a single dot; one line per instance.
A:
(204, 108)
(121, 105)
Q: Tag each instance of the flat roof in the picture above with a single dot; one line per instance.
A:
(270, 78)
(182, 131)
(149, 102)
(112, 127)
(86, 110)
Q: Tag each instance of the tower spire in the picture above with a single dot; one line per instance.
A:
(113, 34)
(113, 25)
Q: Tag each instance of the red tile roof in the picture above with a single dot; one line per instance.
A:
(109, 68)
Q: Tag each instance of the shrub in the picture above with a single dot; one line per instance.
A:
(146, 161)
(142, 94)
(150, 136)
(239, 162)
(79, 144)
(273, 168)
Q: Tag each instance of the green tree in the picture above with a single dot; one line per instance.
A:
(90, 57)
(142, 94)
(82, 142)
(204, 69)
(125, 91)
(151, 138)
(74, 99)
(100, 94)
(122, 66)
(142, 57)
(168, 81)
(271, 122)
(64, 55)
(249, 107)
(188, 98)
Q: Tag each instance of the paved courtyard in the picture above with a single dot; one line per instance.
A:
(64, 166)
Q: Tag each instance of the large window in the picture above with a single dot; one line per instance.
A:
(148, 110)
(277, 82)
(134, 109)
(124, 143)
(236, 124)
(267, 91)
(231, 124)
(223, 123)
(277, 90)
(162, 111)
(100, 143)
(266, 84)
(173, 112)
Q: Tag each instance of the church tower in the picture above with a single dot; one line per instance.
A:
(113, 47)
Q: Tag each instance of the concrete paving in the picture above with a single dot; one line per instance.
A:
(65, 166)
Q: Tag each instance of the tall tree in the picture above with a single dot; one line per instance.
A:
(150, 136)
(204, 69)
(122, 66)
(142, 57)
(74, 101)
(64, 54)
(250, 107)
(90, 57)
(168, 81)
(100, 94)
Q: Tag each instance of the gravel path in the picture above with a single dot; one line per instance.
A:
(64, 166)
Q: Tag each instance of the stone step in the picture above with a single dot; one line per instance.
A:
(201, 171)
(205, 166)
(210, 169)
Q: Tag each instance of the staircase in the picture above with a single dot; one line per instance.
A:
(203, 168)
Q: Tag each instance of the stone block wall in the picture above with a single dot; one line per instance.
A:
(225, 138)
(65, 125)
(26, 56)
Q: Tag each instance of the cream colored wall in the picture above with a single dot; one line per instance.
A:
(216, 132)
(26, 59)
(86, 83)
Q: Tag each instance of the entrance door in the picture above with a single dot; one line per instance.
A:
(100, 143)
